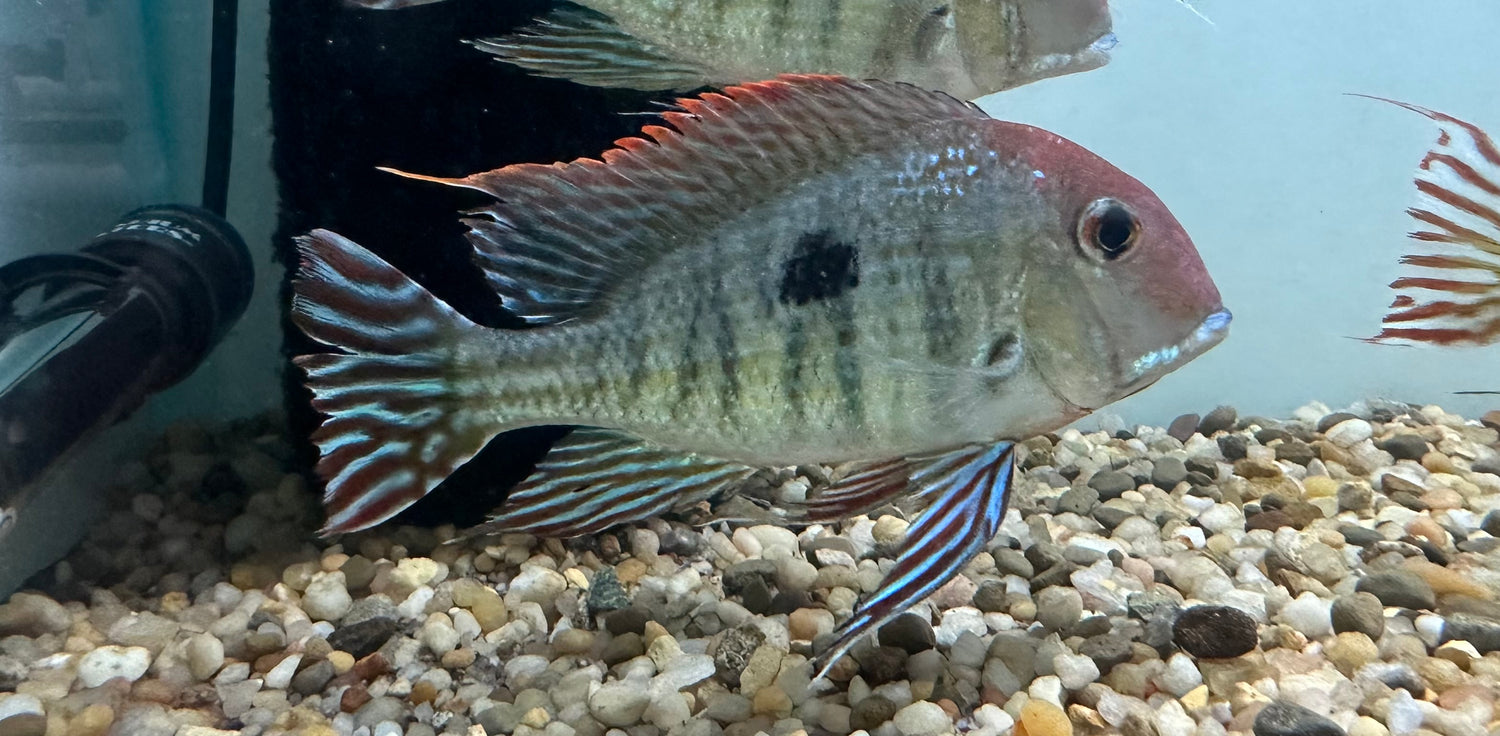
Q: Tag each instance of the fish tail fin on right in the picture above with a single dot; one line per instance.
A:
(398, 411)
(1451, 295)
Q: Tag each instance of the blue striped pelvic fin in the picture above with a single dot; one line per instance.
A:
(594, 479)
(967, 492)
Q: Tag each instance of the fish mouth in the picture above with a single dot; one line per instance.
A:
(1153, 365)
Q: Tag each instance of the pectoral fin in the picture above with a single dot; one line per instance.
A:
(967, 491)
(594, 479)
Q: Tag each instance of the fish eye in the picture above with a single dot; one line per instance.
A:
(1108, 229)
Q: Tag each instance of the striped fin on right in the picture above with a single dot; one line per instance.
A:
(1451, 295)
(867, 486)
(967, 492)
(594, 479)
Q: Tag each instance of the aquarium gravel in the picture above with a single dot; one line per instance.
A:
(1330, 573)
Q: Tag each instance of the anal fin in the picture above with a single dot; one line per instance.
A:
(967, 489)
(594, 479)
(588, 47)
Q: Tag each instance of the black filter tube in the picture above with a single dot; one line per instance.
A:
(170, 282)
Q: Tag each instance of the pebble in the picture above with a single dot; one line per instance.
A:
(1400, 588)
(112, 661)
(922, 718)
(327, 597)
(619, 704)
(1058, 607)
(33, 615)
(1288, 719)
(1214, 632)
(1349, 432)
(205, 655)
(1041, 718)
(1361, 612)
(909, 632)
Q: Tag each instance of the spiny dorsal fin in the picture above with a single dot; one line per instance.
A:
(587, 47)
(562, 236)
(1451, 295)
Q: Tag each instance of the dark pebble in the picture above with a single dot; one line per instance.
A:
(870, 713)
(909, 632)
(1408, 499)
(1233, 446)
(1220, 419)
(358, 572)
(606, 593)
(1111, 483)
(1491, 419)
(1059, 574)
(1489, 465)
(1082, 556)
(1355, 497)
(1399, 588)
(1168, 472)
(1327, 422)
(1012, 562)
(789, 600)
(755, 596)
(1392, 483)
(1360, 536)
(1077, 500)
(312, 679)
(363, 638)
(1043, 555)
(627, 621)
(1302, 513)
(1483, 633)
(1215, 632)
(1287, 719)
(883, 664)
(1272, 520)
(1295, 451)
(1036, 458)
(1361, 612)
(733, 653)
(1272, 502)
(741, 573)
(1110, 516)
(1480, 545)
(1271, 434)
(1432, 552)
(623, 648)
(681, 541)
(1405, 446)
(1107, 650)
(990, 597)
(1202, 465)
(1183, 427)
(1090, 626)
(1018, 652)
(1491, 524)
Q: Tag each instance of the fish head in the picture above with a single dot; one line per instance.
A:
(1008, 43)
(1116, 294)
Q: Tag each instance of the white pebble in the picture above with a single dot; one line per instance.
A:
(958, 620)
(280, 676)
(327, 597)
(1404, 715)
(1172, 720)
(108, 662)
(1075, 670)
(1048, 688)
(535, 584)
(619, 704)
(1222, 517)
(1180, 675)
(993, 717)
(416, 603)
(22, 704)
(1308, 614)
(922, 718)
(205, 655)
(1350, 432)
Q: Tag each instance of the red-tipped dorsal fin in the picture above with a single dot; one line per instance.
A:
(560, 237)
(1450, 295)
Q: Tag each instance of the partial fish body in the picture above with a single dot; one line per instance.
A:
(1451, 293)
(968, 48)
(810, 269)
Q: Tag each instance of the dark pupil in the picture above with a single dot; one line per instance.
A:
(1116, 225)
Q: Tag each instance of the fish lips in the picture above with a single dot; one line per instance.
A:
(1147, 369)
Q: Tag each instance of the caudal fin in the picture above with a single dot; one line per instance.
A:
(397, 421)
(1451, 293)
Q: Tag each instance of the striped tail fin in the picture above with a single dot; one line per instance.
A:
(1451, 295)
(397, 421)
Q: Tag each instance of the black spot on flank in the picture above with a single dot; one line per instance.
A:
(820, 268)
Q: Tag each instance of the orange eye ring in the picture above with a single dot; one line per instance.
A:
(1108, 229)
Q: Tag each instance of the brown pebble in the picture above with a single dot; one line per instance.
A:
(1454, 698)
(1442, 498)
(371, 666)
(1437, 462)
(1425, 527)
(354, 698)
(1041, 718)
(315, 649)
(423, 692)
(631, 571)
(1247, 468)
(153, 690)
(1491, 419)
(94, 720)
(342, 661)
(1445, 581)
(265, 662)
(458, 659)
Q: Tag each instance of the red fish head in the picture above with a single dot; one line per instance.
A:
(1119, 295)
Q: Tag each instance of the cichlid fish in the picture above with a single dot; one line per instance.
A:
(968, 48)
(805, 270)
(1451, 294)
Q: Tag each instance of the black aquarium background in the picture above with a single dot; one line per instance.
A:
(354, 89)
